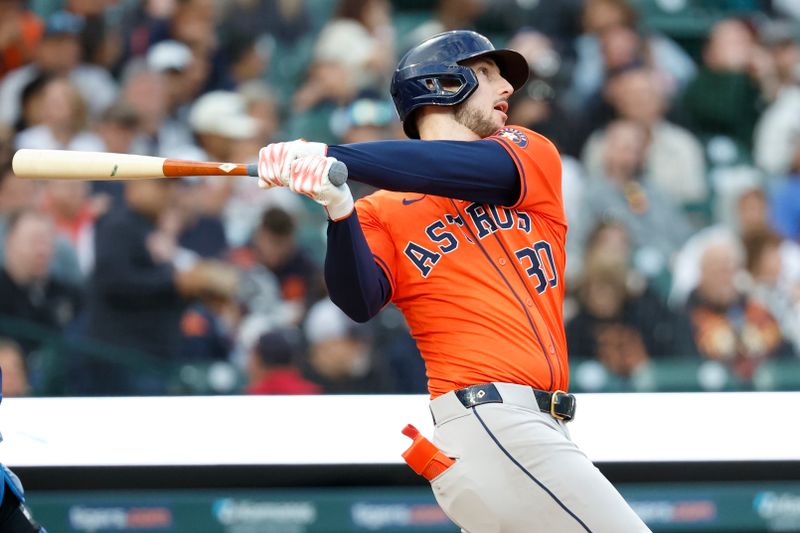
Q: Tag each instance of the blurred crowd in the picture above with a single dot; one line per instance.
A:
(678, 123)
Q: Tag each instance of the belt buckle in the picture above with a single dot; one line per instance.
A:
(553, 400)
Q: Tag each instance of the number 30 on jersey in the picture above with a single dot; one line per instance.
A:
(538, 262)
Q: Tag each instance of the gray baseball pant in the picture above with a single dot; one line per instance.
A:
(517, 471)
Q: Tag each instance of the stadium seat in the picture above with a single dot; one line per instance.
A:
(591, 376)
(673, 374)
(670, 375)
(778, 375)
(314, 124)
(320, 11)
(289, 67)
(689, 21)
(218, 377)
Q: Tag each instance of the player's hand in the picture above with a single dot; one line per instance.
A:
(208, 279)
(275, 160)
(309, 176)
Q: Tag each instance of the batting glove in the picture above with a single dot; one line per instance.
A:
(275, 160)
(309, 176)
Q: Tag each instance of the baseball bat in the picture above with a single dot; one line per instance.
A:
(77, 165)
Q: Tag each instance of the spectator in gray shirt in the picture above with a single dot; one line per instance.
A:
(656, 226)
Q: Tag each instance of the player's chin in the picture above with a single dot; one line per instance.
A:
(499, 119)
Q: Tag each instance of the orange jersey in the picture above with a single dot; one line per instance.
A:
(481, 286)
(19, 52)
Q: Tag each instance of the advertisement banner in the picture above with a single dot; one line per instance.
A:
(697, 508)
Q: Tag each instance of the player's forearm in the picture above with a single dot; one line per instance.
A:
(478, 171)
(355, 282)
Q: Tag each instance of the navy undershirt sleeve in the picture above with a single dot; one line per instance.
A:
(478, 171)
(356, 284)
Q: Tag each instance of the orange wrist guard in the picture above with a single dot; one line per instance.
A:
(423, 456)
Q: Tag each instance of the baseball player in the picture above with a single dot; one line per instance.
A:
(14, 516)
(466, 237)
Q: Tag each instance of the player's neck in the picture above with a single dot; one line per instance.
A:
(438, 126)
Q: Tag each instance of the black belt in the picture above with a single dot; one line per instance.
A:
(558, 403)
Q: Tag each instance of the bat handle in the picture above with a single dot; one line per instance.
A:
(337, 174)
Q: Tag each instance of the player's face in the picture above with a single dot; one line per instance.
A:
(486, 110)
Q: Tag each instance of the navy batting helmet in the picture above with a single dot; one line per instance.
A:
(417, 81)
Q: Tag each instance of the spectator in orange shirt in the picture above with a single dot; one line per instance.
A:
(727, 324)
(20, 31)
(275, 247)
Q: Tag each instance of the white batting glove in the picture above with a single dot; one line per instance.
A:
(275, 160)
(309, 176)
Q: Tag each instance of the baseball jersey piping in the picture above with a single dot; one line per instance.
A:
(520, 167)
(523, 193)
(510, 288)
(534, 300)
(527, 472)
(386, 270)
